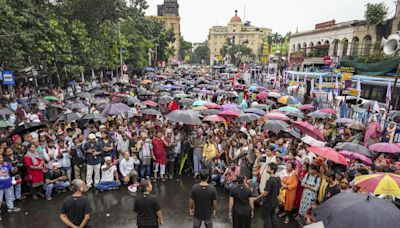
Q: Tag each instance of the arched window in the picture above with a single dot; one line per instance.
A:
(304, 48)
(298, 47)
(367, 45)
(325, 50)
(345, 47)
(335, 47)
(294, 48)
(355, 44)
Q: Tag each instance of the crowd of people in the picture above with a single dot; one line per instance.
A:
(43, 150)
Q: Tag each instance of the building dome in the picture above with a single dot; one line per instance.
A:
(236, 18)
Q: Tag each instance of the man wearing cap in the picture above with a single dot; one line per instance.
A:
(109, 176)
(55, 179)
(92, 150)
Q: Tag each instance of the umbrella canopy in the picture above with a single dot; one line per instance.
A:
(247, 117)
(6, 111)
(210, 112)
(385, 148)
(380, 183)
(274, 95)
(181, 95)
(344, 120)
(214, 118)
(328, 111)
(260, 106)
(199, 103)
(354, 147)
(151, 112)
(83, 95)
(165, 99)
(292, 133)
(371, 104)
(199, 108)
(27, 128)
(51, 98)
(115, 109)
(355, 210)
(288, 100)
(93, 116)
(329, 154)
(276, 116)
(229, 113)
(318, 114)
(184, 116)
(4, 124)
(256, 111)
(309, 129)
(275, 125)
(69, 117)
(150, 103)
(262, 95)
(74, 106)
(356, 126)
(295, 114)
(228, 107)
(288, 109)
(212, 106)
(353, 156)
(186, 101)
(306, 107)
(311, 141)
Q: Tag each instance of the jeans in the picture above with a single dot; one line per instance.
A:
(269, 216)
(17, 191)
(107, 185)
(57, 185)
(197, 163)
(89, 174)
(197, 223)
(145, 171)
(68, 171)
(8, 193)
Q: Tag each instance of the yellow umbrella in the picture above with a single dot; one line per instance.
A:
(147, 81)
(199, 108)
(380, 183)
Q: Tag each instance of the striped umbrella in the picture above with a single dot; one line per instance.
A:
(380, 183)
(288, 100)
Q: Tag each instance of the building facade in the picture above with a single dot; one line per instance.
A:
(168, 13)
(238, 33)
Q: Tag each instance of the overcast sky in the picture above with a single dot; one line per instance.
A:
(197, 16)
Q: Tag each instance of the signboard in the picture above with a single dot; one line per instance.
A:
(345, 92)
(125, 68)
(8, 77)
(327, 61)
(346, 76)
(347, 69)
(325, 24)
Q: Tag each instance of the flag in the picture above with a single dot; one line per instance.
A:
(358, 89)
(312, 87)
(375, 107)
(320, 82)
(292, 78)
(336, 91)
(388, 94)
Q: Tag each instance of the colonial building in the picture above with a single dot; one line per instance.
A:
(238, 33)
(168, 13)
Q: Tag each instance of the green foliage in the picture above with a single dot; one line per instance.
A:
(185, 48)
(201, 54)
(376, 13)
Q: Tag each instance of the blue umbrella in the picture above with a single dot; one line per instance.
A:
(289, 109)
(199, 103)
(252, 88)
(148, 69)
(256, 111)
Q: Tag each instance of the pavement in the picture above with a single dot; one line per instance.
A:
(115, 209)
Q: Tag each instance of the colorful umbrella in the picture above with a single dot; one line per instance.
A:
(276, 116)
(199, 103)
(328, 111)
(329, 154)
(199, 108)
(380, 183)
(145, 82)
(288, 100)
(214, 118)
(150, 103)
(252, 88)
(288, 109)
(309, 129)
(115, 109)
(228, 107)
(51, 98)
(311, 141)
(306, 107)
(262, 95)
(353, 156)
(229, 113)
(391, 148)
(212, 106)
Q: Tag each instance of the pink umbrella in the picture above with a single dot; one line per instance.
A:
(228, 107)
(276, 116)
(262, 95)
(328, 110)
(328, 153)
(229, 113)
(306, 107)
(391, 148)
(353, 156)
(214, 118)
(309, 129)
(150, 103)
(212, 106)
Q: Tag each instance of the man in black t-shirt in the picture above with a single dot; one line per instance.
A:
(203, 202)
(76, 209)
(333, 187)
(147, 207)
(270, 196)
(241, 204)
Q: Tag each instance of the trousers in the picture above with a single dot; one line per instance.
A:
(89, 174)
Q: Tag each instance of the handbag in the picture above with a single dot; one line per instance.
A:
(282, 196)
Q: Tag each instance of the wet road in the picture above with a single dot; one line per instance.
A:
(114, 209)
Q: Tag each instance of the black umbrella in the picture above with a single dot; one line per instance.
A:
(165, 99)
(354, 147)
(318, 114)
(295, 114)
(69, 117)
(83, 95)
(6, 111)
(256, 111)
(275, 125)
(28, 127)
(184, 116)
(210, 112)
(93, 116)
(74, 106)
(151, 112)
(186, 101)
(247, 117)
(356, 210)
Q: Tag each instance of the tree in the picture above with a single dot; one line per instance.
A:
(200, 54)
(376, 13)
(276, 38)
(185, 48)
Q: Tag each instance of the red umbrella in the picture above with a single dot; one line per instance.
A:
(212, 106)
(391, 148)
(309, 129)
(276, 116)
(229, 113)
(353, 156)
(328, 110)
(150, 103)
(262, 95)
(214, 118)
(328, 153)
(306, 107)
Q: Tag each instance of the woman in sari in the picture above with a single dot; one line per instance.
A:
(34, 168)
(289, 182)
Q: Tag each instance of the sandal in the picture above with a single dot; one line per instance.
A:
(287, 220)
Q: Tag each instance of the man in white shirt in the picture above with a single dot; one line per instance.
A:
(109, 176)
(127, 168)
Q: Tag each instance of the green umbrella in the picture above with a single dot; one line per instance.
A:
(4, 124)
(51, 98)
(184, 158)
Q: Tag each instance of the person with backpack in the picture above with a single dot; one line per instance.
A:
(311, 183)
